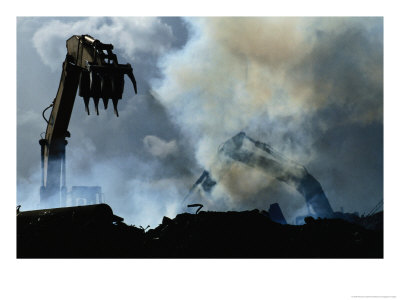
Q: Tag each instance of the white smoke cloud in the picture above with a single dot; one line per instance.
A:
(137, 190)
(158, 147)
(256, 75)
(150, 200)
(27, 117)
(269, 77)
(130, 35)
(138, 196)
(28, 191)
(233, 75)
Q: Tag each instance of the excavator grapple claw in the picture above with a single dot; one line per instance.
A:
(96, 105)
(101, 75)
(132, 78)
(86, 100)
(105, 102)
(95, 84)
(115, 104)
(106, 82)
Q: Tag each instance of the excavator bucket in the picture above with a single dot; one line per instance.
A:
(101, 74)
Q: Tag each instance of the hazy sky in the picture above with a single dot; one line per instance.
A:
(310, 87)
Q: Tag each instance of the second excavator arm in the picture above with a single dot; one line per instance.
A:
(259, 155)
(255, 154)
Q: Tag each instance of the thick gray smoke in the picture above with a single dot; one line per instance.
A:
(310, 87)
(284, 81)
(132, 35)
(138, 158)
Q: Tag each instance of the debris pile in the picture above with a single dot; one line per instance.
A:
(252, 234)
(91, 231)
(246, 234)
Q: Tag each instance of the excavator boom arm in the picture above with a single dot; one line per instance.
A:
(259, 155)
(94, 68)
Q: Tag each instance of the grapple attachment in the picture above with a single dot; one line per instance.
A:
(101, 76)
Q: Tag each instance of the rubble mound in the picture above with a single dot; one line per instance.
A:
(251, 234)
(246, 234)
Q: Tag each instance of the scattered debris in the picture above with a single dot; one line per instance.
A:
(144, 229)
(207, 234)
(200, 206)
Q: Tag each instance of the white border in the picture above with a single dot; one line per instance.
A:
(198, 279)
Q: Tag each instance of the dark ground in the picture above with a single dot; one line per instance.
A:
(247, 234)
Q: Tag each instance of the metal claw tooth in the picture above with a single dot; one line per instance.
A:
(86, 100)
(91, 80)
(95, 80)
(102, 84)
(132, 78)
(96, 105)
(105, 102)
(115, 103)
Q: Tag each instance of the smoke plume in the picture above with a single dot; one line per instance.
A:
(312, 88)
(132, 35)
(284, 81)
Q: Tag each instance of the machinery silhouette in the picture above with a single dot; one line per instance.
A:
(94, 68)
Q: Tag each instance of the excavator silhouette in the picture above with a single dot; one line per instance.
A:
(94, 68)
(255, 154)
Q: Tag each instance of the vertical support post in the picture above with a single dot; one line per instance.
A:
(50, 192)
(63, 199)
(42, 143)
